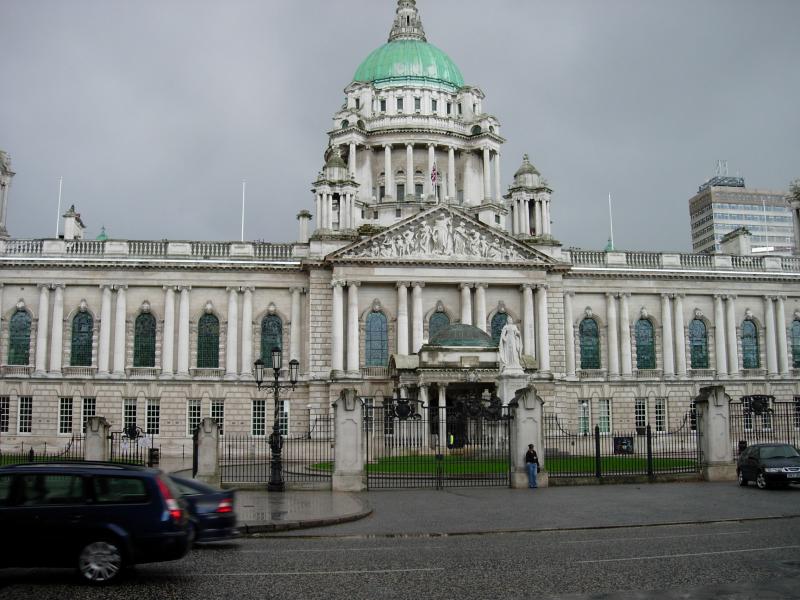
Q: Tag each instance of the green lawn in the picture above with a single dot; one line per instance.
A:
(612, 464)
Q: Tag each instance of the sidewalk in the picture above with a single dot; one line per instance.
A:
(478, 510)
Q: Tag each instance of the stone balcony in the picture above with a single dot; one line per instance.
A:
(680, 262)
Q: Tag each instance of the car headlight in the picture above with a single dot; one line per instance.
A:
(773, 470)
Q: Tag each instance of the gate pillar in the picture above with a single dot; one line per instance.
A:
(713, 423)
(526, 428)
(208, 452)
(97, 444)
(348, 472)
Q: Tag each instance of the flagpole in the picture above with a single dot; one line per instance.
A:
(58, 215)
(610, 221)
(244, 185)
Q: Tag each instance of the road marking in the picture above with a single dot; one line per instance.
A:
(648, 538)
(353, 572)
(605, 560)
(337, 549)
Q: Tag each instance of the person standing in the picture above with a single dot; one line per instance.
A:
(532, 464)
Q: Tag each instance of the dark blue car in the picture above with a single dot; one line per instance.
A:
(212, 512)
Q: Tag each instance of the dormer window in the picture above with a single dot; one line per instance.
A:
(383, 105)
(399, 105)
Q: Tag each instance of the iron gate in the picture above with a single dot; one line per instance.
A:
(133, 446)
(761, 419)
(410, 445)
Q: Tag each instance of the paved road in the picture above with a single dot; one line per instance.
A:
(749, 559)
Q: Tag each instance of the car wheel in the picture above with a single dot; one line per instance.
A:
(100, 562)
(741, 478)
(761, 481)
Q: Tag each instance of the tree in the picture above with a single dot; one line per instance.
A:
(794, 190)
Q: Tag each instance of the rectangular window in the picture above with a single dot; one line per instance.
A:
(283, 417)
(419, 190)
(193, 415)
(5, 408)
(218, 414)
(604, 418)
(460, 109)
(398, 212)
(358, 103)
(50, 489)
(401, 191)
(640, 413)
(417, 103)
(383, 105)
(399, 105)
(25, 415)
(65, 415)
(119, 490)
(375, 214)
(258, 419)
(128, 413)
(89, 410)
(661, 414)
(497, 219)
(388, 420)
(583, 417)
(797, 412)
(153, 416)
(382, 193)
(449, 108)
(363, 213)
(434, 106)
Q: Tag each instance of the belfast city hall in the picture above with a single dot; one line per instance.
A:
(410, 264)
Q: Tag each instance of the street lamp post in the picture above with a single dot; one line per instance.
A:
(276, 483)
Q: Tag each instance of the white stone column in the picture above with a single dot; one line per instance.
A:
(543, 328)
(487, 175)
(466, 303)
(344, 211)
(337, 329)
(569, 335)
(538, 218)
(168, 342)
(232, 339)
(352, 327)
(351, 160)
(183, 333)
(431, 161)
(295, 327)
(612, 328)
(120, 322)
(769, 325)
(41, 330)
(666, 336)
(546, 217)
(451, 174)
(783, 349)
(680, 337)
(409, 170)
(442, 406)
(497, 194)
(480, 306)
(626, 357)
(402, 317)
(57, 330)
(731, 337)
(528, 326)
(388, 179)
(515, 216)
(104, 343)
(417, 329)
(246, 369)
(318, 203)
(719, 337)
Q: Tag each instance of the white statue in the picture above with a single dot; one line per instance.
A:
(510, 348)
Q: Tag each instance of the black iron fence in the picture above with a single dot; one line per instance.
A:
(641, 451)
(133, 446)
(465, 445)
(307, 454)
(761, 419)
(69, 450)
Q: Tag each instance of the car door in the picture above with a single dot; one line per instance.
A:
(10, 523)
(750, 466)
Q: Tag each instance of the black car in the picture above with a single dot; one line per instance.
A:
(97, 517)
(769, 464)
(211, 510)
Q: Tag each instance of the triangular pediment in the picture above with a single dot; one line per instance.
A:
(442, 234)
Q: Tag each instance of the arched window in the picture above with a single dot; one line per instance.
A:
(377, 340)
(645, 345)
(271, 337)
(498, 322)
(82, 326)
(795, 344)
(438, 321)
(208, 342)
(144, 341)
(698, 344)
(19, 339)
(590, 344)
(750, 358)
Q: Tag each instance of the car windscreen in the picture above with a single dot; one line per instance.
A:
(785, 451)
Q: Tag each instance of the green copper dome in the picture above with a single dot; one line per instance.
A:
(412, 62)
(459, 334)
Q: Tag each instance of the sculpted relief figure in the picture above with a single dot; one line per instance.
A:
(510, 348)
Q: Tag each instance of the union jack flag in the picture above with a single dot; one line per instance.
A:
(434, 175)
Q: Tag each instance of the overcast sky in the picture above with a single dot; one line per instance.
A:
(154, 111)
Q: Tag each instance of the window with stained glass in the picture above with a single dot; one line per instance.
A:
(19, 339)
(144, 341)
(698, 344)
(82, 326)
(437, 322)
(208, 342)
(645, 345)
(376, 340)
(590, 344)
(498, 322)
(750, 358)
(796, 344)
(271, 337)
